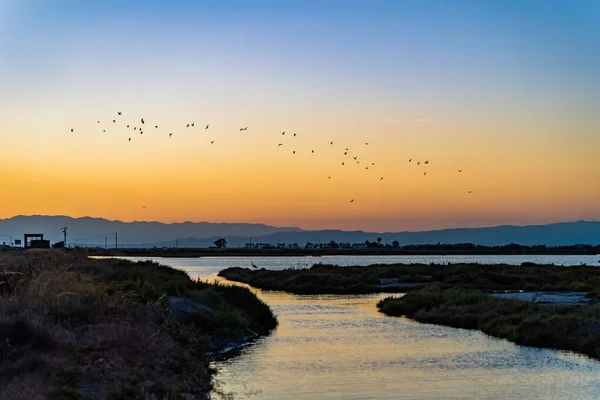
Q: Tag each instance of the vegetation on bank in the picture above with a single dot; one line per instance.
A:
(323, 279)
(530, 324)
(73, 327)
(432, 249)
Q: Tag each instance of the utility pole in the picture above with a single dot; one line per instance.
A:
(105, 242)
(64, 231)
(177, 242)
(116, 241)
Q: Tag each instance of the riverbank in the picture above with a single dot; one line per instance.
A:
(432, 250)
(328, 279)
(72, 327)
(557, 327)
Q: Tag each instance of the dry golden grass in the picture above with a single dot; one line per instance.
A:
(65, 335)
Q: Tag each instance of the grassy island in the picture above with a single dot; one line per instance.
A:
(328, 279)
(76, 328)
(541, 325)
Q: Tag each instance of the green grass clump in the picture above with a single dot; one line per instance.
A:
(328, 279)
(530, 324)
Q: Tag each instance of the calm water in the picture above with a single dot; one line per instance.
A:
(339, 347)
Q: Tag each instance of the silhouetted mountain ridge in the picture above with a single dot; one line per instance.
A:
(92, 231)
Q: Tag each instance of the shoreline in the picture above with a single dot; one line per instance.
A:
(417, 251)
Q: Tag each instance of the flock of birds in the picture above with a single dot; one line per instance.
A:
(141, 125)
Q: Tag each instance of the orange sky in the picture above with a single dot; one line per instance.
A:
(525, 136)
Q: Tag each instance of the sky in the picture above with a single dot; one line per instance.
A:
(506, 91)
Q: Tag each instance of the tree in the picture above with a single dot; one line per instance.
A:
(379, 240)
(396, 243)
(221, 243)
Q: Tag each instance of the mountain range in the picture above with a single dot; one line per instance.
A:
(87, 231)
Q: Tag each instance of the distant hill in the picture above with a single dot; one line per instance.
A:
(92, 231)
(559, 234)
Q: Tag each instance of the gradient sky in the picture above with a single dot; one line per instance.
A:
(508, 91)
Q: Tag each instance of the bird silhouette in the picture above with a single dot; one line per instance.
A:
(459, 170)
(294, 152)
(244, 129)
(212, 142)
(71, 129)
(142, 121)
(367, 168)
(330, 142)
(170, 134)
(193, 124)
(342, 163)
(469, 191)
(419, 163)
(366, 143)
(426, 162)
(294, 134)
(155, 126)
(135, 128)
(425, 173)
(130, 139)
(328, 177)
(352, 201)
(410, 160)
(128, 126)
(283, 133)
(188, 125)
(206, 127)
(345, 153)
(254, 266)
(103, 130)
(372, 163)
(312, 152)
(280, 144)
(355, 157)
(118, 112)
(114, 121)
(381, 178)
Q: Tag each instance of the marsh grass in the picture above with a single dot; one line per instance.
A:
(328, 279)
(541, 325)
(71, 328)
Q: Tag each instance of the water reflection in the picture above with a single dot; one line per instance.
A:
(339, 347)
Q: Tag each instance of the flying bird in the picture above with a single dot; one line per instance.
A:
(312, 151)
(328, 177)
(130, 139)
(352, 201)
(345, 153)
(206, 127)
(469, 191)
(373, 163)
(280, 144)
(366, 143)
(381, 178)
(426, 162)
(170, 134)
(294, 152)
(342, 163)
(142, 121)
(425, 173)
(188, 125)
(355, 157)
(459, 170)
(283, 133)
(410, 160)
(103, 130)
(114, 121)
(71, 129)
(128, 126)
(330, 142)
(212, 142)
(419, 163)
(118, 112)
(155, 126)
(243, 129)
(193, 124)
(294, 134)
(135, 128)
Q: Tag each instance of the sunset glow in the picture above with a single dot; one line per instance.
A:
(508, 94)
